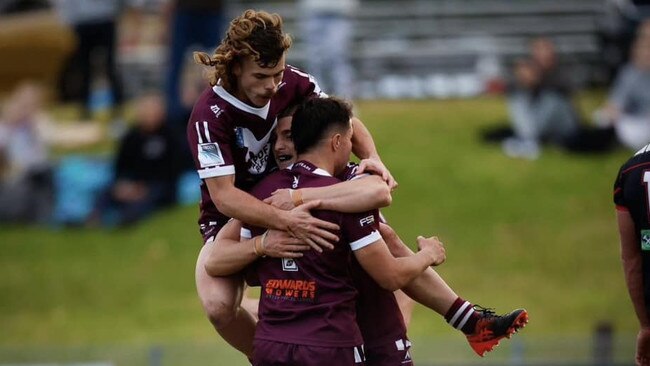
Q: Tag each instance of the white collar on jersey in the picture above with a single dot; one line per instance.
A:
(317, 171)
(262, 112)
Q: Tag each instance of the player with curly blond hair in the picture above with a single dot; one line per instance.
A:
(229, 135)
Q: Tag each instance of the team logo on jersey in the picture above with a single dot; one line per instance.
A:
(257, 151)
(289, 265)
(296, 181)
(210, 155)
(645, 239)
(368, 220)
(216, 110)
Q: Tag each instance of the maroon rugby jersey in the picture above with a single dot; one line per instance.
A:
(311, 300)
(378, 313)
(227, 136)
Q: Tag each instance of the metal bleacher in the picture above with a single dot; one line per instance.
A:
(411, 40)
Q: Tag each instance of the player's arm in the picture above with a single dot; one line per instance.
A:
(229, 255)
(235, 203)
(363, 146)
(356, 195)
(394, 273)
(428, 289)
(631, 257)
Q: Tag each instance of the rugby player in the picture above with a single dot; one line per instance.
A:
(307, 307)
(631, 196)
(228, 133)
(384, 332)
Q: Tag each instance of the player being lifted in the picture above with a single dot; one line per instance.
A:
(229, 132)
(307, 308)
(631, 196)
(384, 336)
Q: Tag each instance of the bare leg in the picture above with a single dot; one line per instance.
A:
(250, 303)
(405, 304)
(221, 298)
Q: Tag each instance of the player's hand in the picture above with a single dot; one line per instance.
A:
(315, 232)
(435, 246)
(279, 244)
(643, 347)
(281, 199)
(376, 166)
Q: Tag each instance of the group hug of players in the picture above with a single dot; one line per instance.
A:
(282, 208)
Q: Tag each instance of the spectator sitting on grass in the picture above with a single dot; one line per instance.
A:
(539, 103)
(145, 168)
(628, 107)
(26, 186)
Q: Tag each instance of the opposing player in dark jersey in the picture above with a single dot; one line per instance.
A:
(307, 306)
(384, 334)
(632, 199)
(228, 133)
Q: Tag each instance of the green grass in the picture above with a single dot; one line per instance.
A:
(536, 234)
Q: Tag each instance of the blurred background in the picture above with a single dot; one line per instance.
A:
(504, 121)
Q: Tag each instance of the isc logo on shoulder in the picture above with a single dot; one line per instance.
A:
(367, 220)
(210, 155)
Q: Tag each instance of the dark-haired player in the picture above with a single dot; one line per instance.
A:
(482, 327)
(307, 306)
(228, 133)
(632, 199)
(378, 315)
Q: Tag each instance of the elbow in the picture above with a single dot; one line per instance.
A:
(392, 283)
(384, 196)
(381, 193)
(216, 270)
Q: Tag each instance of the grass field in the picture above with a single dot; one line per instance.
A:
(536, 234)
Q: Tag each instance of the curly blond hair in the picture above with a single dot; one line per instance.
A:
(255, 34)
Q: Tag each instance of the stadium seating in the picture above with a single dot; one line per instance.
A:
(439, 38)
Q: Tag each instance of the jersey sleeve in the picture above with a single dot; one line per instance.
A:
(361, 229)
(211, 146)
(306, 85)
(619, 198)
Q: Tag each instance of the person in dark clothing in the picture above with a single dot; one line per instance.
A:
(191, 23)
(146, 168)
(95, 25)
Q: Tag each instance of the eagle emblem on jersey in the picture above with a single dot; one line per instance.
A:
(256, 152)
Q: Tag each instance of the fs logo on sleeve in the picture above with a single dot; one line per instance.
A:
(210, 155)
(368, 220)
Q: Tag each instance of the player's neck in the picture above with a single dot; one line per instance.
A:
(319, 160)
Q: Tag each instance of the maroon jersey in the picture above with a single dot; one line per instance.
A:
(311, 300)
(227, 136)
(378, 314)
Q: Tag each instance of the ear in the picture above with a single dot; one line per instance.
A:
(336, 141)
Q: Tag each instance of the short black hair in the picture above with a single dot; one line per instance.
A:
(314, 118)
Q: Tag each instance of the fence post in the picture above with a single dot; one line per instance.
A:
(603, 344)
(517, 355)
(155, 356)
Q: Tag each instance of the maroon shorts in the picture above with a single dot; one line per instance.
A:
(394, 353)
(267, 353)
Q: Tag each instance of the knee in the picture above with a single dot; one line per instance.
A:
(220, 313)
